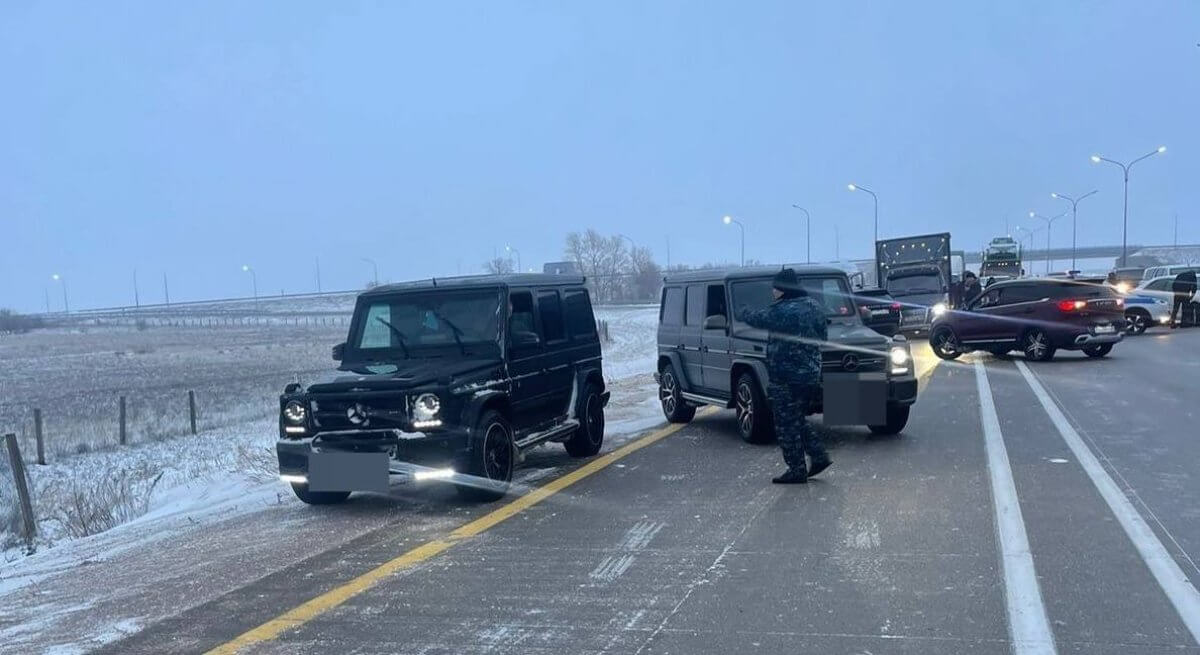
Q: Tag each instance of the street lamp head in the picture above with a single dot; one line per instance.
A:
(851, 187)
(1162, 148)
(246, 268)
(1095, 159)
(55, 277)
(1032, 214)
(1053, 195)
(727, 220)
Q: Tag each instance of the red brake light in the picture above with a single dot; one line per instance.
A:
(896, 305)
(1071, 305)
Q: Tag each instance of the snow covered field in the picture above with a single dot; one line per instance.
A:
(166, 478)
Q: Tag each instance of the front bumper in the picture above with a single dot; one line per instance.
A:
(406, 451)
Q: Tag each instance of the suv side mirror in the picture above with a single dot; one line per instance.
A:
(526, 339)
(339, 351)
(715, 322)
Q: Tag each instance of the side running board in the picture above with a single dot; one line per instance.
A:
(705, 400)
(566, 427)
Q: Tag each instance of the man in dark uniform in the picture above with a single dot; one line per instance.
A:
(971, 287)
(1184, 287)
(796, 325)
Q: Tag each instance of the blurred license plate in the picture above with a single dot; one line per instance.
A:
(880, 312)
(1105, 329)
(333, 471)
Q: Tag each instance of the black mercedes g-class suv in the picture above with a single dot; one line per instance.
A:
(707, 357)
(448, 379)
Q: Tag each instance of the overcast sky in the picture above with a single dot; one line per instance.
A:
(193, 138)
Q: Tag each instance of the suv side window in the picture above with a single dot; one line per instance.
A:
(695, 305)
(989, 299)
(520, 320)
(550, 309)
(672, 306)
(1159, 285)
(580, 320)
(716, 301)
(1016, 293)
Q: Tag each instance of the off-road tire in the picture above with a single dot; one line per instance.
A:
(670, 397)
(491, 459)
(589, 437)
(753, 411)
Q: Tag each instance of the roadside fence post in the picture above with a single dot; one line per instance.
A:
(37, 434)
(29, 526)
(192, 409)
(121, 436)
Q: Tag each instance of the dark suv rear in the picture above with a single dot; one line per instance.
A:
(1036, 316)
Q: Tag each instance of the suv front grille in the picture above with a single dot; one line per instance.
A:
(348, 412)
(836, 361)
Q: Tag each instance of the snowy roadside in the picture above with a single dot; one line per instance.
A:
(193, 485)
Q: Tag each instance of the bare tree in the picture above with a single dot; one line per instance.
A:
(600, 258)
(498, 266)
(646, 274)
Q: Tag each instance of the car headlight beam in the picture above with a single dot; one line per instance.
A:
(426, 407)
(294, 412)
(899, 356)
(939, 309)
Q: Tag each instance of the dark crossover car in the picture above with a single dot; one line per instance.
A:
(448, 379)
(878, 310)
(1036, 316)
(706, 356)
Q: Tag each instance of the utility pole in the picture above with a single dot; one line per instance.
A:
(136, 300)
(318, 275)
(837, 248)
(46, 292)
(166, 292)
(668, 252)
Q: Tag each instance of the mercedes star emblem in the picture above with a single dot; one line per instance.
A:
(850, 362)
(357, 414)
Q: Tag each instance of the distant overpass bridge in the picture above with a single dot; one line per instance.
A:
(1083, 252)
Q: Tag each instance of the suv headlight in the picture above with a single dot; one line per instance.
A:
(426, 407)
(900, 360)
(939, 309)
(294, 413)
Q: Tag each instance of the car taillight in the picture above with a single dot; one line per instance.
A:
(1071, 305)
(1120, 302)
(896, 306)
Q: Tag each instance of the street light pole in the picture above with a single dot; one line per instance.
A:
(61, 280)
(136, 301)
(807, 234)
(253, 281)
(1096, 159)
(1030, 234)
(874, 247)
(730, 219)
(511, 249)
(374, 268)
(1074, 215)
(1049, 222)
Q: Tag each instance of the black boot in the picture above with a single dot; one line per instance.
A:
(819, 464)
(791, 477)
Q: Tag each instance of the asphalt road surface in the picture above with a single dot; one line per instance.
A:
(1033, 508)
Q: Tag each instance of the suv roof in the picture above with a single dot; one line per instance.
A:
(748, 272)
(480, 281)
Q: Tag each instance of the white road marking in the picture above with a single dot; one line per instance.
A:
(1028, 625)
(1170, 577)
(611, 568)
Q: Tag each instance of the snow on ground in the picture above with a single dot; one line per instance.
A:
(190, 485)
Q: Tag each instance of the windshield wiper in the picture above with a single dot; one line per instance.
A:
(454, 329)
(399, 335)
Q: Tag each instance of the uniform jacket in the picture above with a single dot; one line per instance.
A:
(1185, 283)
(795, 326)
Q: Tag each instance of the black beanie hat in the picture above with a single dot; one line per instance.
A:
(785, 281)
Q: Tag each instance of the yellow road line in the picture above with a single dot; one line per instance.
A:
(310, 609)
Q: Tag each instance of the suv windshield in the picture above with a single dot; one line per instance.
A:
(831, 292)
(424, 324)
(914, 284)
